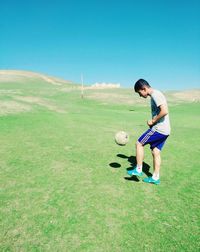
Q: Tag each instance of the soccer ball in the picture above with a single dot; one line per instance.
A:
(121, 138)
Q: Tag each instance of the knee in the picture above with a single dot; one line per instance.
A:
(155, 152)
(138, 145)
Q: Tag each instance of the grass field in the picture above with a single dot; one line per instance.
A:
(63, 179)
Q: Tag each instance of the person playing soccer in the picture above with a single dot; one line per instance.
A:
(156, 135)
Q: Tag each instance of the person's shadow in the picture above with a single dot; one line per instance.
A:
(132, 161)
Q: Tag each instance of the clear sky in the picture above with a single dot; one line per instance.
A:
(116, 41)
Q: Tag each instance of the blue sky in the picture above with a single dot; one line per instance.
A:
(107, 41)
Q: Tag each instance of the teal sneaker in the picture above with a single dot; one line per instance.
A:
(134, 172)
(151, 180)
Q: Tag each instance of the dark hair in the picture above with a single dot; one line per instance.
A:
(140, 84)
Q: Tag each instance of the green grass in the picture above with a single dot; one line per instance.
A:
(59, 191)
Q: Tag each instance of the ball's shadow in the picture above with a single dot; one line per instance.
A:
(115, 165)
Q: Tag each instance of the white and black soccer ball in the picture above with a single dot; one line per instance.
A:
(121, 138)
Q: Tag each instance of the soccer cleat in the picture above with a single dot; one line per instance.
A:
(151, 180)
(134, 172)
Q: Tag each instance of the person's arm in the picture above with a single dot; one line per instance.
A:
(163, 112)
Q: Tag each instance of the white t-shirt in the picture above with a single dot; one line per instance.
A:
(163, 125)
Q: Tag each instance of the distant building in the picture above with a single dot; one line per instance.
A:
(105, 85)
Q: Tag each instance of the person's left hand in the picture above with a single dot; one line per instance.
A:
(150, 123)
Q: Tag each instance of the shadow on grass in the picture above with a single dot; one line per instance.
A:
(115, 165)
(132, 161)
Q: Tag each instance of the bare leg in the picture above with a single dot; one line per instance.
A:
(137, 171)
(156, 161)
(139, 153)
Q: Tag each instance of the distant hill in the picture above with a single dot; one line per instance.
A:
(128, 96)
(23, 91)
(104, 94)
(192, 95)
(17, 75)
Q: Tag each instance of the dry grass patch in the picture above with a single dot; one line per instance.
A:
(58, 167)
(189, 95)
(115, 98)
(9, 92)
(17, 75)
(39, 101)
(13, 107)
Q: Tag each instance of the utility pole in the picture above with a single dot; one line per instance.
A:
(82, 86)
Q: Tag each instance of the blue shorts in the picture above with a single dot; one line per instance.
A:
(154, 138)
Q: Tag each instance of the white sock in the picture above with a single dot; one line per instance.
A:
(139, 168)
(156, 176)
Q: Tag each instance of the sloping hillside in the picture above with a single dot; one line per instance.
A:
(192, 95)
(17, 76)
(128, 96)
(22, 91)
